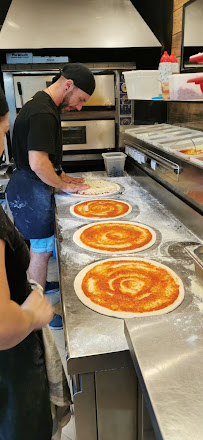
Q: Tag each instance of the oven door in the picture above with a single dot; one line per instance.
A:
(88, 135)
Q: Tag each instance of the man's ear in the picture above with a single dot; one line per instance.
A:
(69, 85)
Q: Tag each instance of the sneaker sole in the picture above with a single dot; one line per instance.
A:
(56, 328)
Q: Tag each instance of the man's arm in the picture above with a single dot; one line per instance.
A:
(39, 163)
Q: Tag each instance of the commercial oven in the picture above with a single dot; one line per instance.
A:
(95, 126)
(88, 135)
(93, 130)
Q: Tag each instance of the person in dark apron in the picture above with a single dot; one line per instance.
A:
(24, 395)
(37, 152)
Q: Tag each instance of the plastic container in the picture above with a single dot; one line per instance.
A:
(165, 71)
(186, 143)
(174, 64)
(142, 84)
(182, 90)
(114, 163)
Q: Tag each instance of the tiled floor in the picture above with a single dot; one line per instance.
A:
(68, 432)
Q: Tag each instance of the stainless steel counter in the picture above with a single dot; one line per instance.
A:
(90, 337)
(167, 352)
(95, 342)
(91, 334)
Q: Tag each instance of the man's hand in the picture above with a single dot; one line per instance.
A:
(74, 188)
(72, 180)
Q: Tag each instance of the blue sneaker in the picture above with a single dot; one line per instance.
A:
(51, 287)
(56, 323)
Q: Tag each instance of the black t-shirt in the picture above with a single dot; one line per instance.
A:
(17, 259)
(37, 127)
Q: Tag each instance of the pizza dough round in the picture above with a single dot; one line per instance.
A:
(115, 237)
(129, 287)
(101, 209)
(98, 188)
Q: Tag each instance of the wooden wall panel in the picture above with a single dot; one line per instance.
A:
(177, 21)
(177, 27)
(178, 4)
(179, 61)
(176, 48)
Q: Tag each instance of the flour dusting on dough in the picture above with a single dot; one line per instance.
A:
(99, 187)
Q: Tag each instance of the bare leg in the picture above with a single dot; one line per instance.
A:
(38, 266)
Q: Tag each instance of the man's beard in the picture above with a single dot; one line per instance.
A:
(66, 103)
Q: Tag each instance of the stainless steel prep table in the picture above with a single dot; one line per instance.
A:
(167, 352)
(104, 382)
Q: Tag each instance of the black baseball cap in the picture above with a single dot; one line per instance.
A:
(82, 77)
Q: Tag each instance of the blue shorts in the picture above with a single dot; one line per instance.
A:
(40, 245)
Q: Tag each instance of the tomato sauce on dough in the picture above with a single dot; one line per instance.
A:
(116, 237)
(130, 286)
(101, 208)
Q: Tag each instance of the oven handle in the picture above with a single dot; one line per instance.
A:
(159, 159)
(20, 92)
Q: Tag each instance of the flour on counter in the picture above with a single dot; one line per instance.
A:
(192, 338)
(151, 211)
(66, 224)
(77, 260)
(197, 288)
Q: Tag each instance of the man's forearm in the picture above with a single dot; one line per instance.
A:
(43, 168)
(49, 176)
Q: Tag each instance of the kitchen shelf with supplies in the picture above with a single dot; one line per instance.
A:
(146, 85)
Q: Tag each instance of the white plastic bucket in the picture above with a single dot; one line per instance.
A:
(142, 84)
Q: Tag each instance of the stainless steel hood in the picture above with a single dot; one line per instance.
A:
(74, 24)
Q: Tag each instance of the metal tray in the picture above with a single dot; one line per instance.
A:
(197, 256)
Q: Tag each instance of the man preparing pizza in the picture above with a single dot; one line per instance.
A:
(37, 152)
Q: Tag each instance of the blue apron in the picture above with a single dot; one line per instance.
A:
(31, 203)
